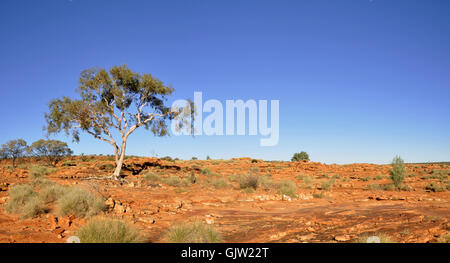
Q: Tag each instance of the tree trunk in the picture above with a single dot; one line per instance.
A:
(119, 162)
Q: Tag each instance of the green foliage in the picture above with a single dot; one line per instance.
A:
(219, 183)
(196, 232)
(398, 172)
(288, 188)
(13, 149)
(39, 172)
(249, 181)
(301, 156)
(106, 230)
(24, 200)
(108, 99)
(152, 177)
(307, 182)
(327, 185)
(434, 187)
(79, 202)
(51, 150)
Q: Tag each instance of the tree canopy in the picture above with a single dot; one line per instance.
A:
(52, 150)
(115, 100)
(13, 149)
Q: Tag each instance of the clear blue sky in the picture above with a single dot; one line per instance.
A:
(358, 81)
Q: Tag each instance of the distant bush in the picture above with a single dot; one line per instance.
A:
(327, 185)
(196, 232)
(398, 172)
(194, 158)
(105, 230)
(39, 172)
(51, 192)
(81, 203)
(301, 156)
(13, 150)
(307, 182)
(53, 151)
(288, 188)
(152, 177)
(254, 161)
(219, 183)
(172, 180)
(433, 187)
(249, 181)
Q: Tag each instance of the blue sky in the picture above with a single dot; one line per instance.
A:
(357, 81)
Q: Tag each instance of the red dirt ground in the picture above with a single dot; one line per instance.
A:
(341, 214)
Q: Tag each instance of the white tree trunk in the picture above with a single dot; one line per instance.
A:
(119, 162)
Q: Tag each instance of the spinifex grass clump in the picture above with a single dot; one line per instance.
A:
(288, 188)
(81, 203)
(249, 181)
(25, 201)
(398, 172)
(104, 230)
(196, 232)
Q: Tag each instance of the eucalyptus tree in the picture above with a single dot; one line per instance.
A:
(112, 105)
(13, 150)
(51, 150)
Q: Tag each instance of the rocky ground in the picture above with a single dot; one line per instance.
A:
(339, 203)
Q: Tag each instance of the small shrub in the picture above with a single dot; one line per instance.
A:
(23, 200)
(266, 182)
(301, 156)
(307, 182)
(249, 181)
(105, 230)
(288, 188)
(37, 172)
(172, 180)
(207, 171)
(318, 195)
(254, 161)
(398, 172)
(219, 183)
(51, 193)
(364, 179)
(152, 177)
(81, 203)
(374, 187)
(433, 187)
(327, 185)
(196, 232)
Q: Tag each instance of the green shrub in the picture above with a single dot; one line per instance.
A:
(51, 193)
(249, 181)
(288, 188)
(219, 183)
(105, 230)
(81, 203)
(207, 171)
(39, 172)
(398, 172)
(152, 177)
(196, 232)
(307, 182)
(23, 200)
(327, 185)
(266, 182)
(435, 187)
(172, 181)
(374, 187)
(301, 156)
